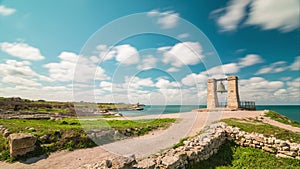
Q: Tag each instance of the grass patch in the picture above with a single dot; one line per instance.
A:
(180, 143)
(70, 133)
(231, 156)
(265, 129)
(282, 119)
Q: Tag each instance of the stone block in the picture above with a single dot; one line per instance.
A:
(20, 144)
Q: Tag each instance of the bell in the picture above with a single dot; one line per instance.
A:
(221, 88)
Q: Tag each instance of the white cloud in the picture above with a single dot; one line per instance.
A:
(147, 63)
(5, 11)
(58, 93)
(235, 12)
(21, 50)
(166, 20)
(250, 60)
(260, 90)
(259, 84)
(296, 64)
(268, 14)
(279, 14)
(65, 70)
(137, 83)
(183, 36)
(20, 81)
(185, 53)
(295, 83)
(126, 54)
(172, 69)
(194, 79)
(166, 84)
(276, 67)
(15, 68)
(105, 52)
(230, 68)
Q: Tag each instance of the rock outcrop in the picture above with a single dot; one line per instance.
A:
(20, 144)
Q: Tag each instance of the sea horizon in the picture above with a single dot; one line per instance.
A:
(290, 111)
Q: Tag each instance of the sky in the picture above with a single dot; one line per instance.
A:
(153, 52)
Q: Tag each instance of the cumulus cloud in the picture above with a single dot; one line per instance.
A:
(21, 50)
(5, 11)
(185, 53)
(136, 82)
(250, 60)
(166, 84)
(58, 93)
(230, 68)
(183, 36)
(65, 69)
(279, 14)
(296, 64)
(124, 54)
(173, 69)
(193, 78)
(20, 81)
(16, 68)
(166, 20)
(234, 13)
(264, 91)
(276, 67)
(268, 14)
(148, 62)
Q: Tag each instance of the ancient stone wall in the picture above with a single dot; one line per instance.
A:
(205, 145)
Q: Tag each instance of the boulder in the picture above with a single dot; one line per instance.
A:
(20, 144)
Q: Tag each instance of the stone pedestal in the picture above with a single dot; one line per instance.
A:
(233, 99)
(212, 98)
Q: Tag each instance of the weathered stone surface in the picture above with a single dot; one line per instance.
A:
(20, 144)
(205, 145)
(171, 162)
(145, 164)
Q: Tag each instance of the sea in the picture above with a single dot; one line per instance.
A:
(290, 111)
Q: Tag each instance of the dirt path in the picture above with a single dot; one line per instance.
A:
(189, 124)
(281, 125)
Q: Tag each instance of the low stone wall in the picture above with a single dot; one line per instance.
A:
(208, 143)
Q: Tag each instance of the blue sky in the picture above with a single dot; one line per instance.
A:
(149, 51)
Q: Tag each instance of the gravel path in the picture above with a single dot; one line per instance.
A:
(189, 124)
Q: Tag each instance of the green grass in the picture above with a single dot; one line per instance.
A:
(282, 119)
(51, 110)
(231, 156)
(69, 133)
(180, 143)
(265, 129)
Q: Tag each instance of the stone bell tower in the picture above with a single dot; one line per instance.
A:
(233, 99)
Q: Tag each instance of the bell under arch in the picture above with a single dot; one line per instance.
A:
(216, 88)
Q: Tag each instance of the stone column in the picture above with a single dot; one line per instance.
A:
(212, 98)
(233, 100)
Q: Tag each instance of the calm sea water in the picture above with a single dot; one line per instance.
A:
(290, 111)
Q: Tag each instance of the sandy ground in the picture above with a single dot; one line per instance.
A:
(189, 124)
